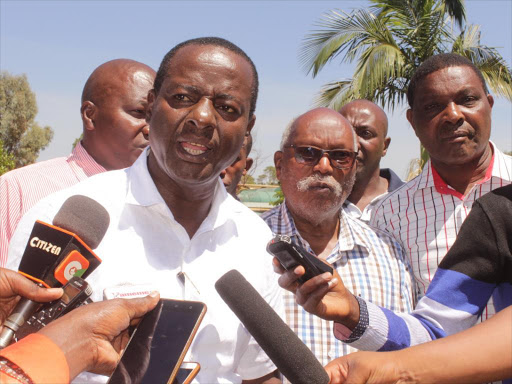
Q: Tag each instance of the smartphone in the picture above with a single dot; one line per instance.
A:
(158, 345)
(291, 255)
(186, 373)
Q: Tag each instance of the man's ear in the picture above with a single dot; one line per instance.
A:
(250, 126)
(88, 111)
(278, 157)
(248, 163)
(151, 101)
(387, 140)
(409, 116)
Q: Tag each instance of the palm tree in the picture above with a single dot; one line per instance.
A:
(389, 41)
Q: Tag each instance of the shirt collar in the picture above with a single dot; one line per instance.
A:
(142, 191)
(81, 158)
(348, 236)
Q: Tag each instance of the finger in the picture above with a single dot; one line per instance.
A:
(20, 285)
(289, 279)
(325, 280)
(278, 268)
(139, 307)
(337, 371)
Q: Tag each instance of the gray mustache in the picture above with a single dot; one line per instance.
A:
(306, 183)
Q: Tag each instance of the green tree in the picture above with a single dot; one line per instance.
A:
(268, 176)
(389, 40)
(22, 137)
(6, 160)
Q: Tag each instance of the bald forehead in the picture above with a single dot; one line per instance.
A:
(114, 75)
(364, 108)
(320, 124)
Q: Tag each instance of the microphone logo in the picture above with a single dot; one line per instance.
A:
(73, 265)
(36, 242)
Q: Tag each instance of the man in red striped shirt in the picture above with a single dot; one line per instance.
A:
(115, 132)
(450, 112)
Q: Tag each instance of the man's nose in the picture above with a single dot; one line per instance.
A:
(203, 114)
(324, 165)
(453, 114)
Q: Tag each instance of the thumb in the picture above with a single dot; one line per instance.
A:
(139, 307)
(20, 285)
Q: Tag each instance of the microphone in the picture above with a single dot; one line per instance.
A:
(55, 253)
(291, 356)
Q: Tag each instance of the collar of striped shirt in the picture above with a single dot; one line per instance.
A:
(281, 221)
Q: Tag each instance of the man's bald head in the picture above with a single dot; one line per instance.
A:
(314, 116)
(104, 80)
(114, 103)
(371, 126)
(367, 107)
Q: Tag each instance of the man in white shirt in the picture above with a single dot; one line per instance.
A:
(172, 223)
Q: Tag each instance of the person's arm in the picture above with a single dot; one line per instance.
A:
(480, 354)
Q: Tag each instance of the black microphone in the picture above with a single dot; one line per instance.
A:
(291, 356)
(55, 253)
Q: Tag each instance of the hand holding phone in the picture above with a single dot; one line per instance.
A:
(159, 343)
(291, 255)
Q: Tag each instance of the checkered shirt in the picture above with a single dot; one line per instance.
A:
(371, 265)
(425, 215)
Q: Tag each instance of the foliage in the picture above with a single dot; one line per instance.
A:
(278, 196)
(247, 179)
(268, 176)
(77, 140)
(389, 41)
(6, 160)
(22, 137)
(508, 153)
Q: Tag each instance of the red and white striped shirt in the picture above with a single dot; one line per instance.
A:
(22, 188)
(425, 214)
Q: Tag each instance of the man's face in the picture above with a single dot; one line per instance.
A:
(201, 114)
(314, 192)
(370, 125)
(121, 118)
(452, 115)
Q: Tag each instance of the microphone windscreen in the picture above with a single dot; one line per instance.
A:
(291, 356)
(84, 217)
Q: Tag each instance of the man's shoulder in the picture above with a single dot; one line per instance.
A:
(272, 214)
(45, 168)
(245, 217)
(371, 233)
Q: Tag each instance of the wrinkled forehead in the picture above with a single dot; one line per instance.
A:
(323, 131)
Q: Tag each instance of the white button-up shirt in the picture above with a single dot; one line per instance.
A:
(144, 244)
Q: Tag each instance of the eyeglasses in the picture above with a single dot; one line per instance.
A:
(339, 158)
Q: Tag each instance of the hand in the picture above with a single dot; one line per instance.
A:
(93, 336)
(363, 367)
(324, 296)
(13, 285)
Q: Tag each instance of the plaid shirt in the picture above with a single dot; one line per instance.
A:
(425, 215)
(371, 264)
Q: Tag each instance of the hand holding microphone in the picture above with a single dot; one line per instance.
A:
(13, 285)
(55, 253)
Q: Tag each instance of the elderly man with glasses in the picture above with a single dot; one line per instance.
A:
(316, 168)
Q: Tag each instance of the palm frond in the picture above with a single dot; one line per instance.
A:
(494, 68)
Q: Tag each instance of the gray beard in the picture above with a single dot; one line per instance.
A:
(340, 190)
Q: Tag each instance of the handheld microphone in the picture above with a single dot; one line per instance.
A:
(55, 253)
(291, 356)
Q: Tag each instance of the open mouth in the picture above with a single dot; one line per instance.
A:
(192, 148)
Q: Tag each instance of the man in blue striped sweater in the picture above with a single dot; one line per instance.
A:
(478, 266)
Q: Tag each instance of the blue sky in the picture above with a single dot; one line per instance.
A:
(59, 43)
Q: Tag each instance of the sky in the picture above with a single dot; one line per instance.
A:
(57, 44)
